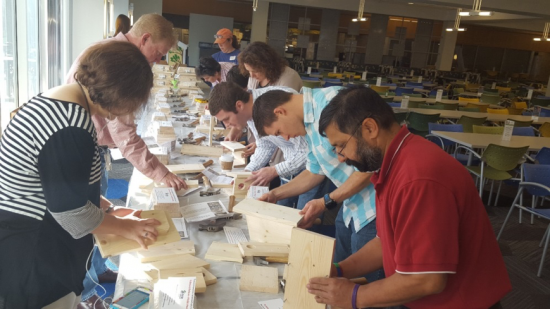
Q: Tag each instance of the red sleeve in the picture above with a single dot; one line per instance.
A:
(426, 221)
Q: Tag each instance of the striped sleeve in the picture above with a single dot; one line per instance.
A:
(263, 153)
(295, 157)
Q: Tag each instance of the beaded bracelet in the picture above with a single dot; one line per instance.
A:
(354, 296)
(339, 270)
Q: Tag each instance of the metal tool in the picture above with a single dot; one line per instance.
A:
(212, 226)
(209, 191)
(283, 284)
(259, 261)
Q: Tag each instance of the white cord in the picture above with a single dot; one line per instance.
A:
(88, 274)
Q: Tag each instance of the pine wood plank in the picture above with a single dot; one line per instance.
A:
(233, 146)
(161, 216)
(185, 168)
(259, 279)
(209, 278)
(166, 199)
(268, 231)
(110, 244)
(278, 213)
(263, 249)
(220, 251)
(183, 261)
(310, 256)
(203, 151)
(167, 251)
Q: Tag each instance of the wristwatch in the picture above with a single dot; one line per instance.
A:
(329, 203)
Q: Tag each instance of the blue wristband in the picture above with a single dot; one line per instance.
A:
(354, 296)
(339, 271)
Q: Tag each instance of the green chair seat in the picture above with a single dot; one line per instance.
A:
(487, 130)
(468, 122)
(489, 172)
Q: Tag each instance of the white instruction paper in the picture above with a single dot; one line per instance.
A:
(175, 293)
(181, 227)
(234, 235)
(197, 212)
(271, 304)
(256, 192)
(216, 177)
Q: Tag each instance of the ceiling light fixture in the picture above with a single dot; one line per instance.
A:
(360, 12)
(131, 13)
(476, 10)
(457, 22)
(544, 33)
(254, 5)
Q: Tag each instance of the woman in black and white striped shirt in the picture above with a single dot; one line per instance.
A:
(50, 176)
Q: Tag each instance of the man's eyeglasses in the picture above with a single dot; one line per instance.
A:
(349, 139)
(217, 36)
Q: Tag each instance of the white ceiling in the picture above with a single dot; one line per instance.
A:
(528, 15)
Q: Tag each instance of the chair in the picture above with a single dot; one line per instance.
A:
(523, 131)
(415, 95)
(514, 111)
(433, 93)
(468, 122)
(469, 100)
(457, 91)
(540, 102)
(311, 83)
(388, 100)
(450, 106)
(488, 90)
(310, 78)
(491, 99)
(496, 162)
(520, 105)
(394, 104)
(469, 109)
(335, 75)
(401, 117)
(543, 156)
(416, 104)
(487, 130)
(331, 84)
(500, 111)
(537, 183)
(414, 85)
(482, 107)
(544, 129)
(399, 91)
(418, 123)
(380, 89)
(432, 106)
(443, 127)
(503, 89)
(518, 123)
(544, 112)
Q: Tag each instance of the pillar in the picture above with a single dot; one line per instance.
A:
(259, 22)
(446, 47)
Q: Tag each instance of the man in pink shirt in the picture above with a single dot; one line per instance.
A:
(153, 35)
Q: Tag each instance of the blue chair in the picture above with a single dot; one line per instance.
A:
(537, 183)
(330, 84)
(332, 80)
(399, 91)
(523, 131)
(310, 78)
(443, 127)
(544, 112)
(394, 104)
(414, 85)
(543, 156)
(386, 84)
(433, 93)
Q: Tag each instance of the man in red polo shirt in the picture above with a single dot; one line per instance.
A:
(434, 241)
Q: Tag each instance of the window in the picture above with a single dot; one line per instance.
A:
(8, 65)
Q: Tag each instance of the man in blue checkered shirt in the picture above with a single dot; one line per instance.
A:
(290, 115)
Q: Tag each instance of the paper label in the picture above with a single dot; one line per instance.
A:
(166, 124)
(530, 94)
(256, 192)
(439, 95)
(181, 227)
(508, 129)
(234, 235)
(308, 70)
(364, 76)
(334, 70)
(165, 196)
(419, 79)
(494, 86)
(412, 73)
(379, 81)
(271, 304)
(232, 58)
(405, 102)
(175, 293)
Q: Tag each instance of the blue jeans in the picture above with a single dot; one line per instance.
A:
(97, 263)
(300, 201)
(349, 241)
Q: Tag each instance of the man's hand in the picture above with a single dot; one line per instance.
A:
(174, 181)
(234, 135)
(269, 197)
(120, 211)
(336, 292)
(263, 176)
(311, 211)
(250, 149)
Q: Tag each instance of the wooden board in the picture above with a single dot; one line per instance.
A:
(220, 251)
(233, 146)
(277, 213)
(268, 231)
(166, 199)
(159, 215)
(263, 249)
(183, 261)
(110, 244)
(203, 151)
(310, 256)
(209, 278)
(263, 279)
(185, 168)
(167, 251)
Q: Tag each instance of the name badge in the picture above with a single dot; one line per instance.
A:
(232, 57)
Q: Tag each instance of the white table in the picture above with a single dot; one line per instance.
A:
(490, 117)
(225, 293)
(477, 140)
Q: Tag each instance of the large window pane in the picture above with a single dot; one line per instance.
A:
(8, 65)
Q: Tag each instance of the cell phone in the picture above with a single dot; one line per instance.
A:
(133, 299)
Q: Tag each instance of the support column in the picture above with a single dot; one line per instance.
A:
(548, 88)
(259, 22)
(446, 48)
(278, 26)
(377, 39)
(326, 49)
(422, 42)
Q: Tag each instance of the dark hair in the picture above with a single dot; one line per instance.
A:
(263, 114)
(122, 24)
(207, 66)
(235, 43)
(234, 75)
(351, 106)
(263, 58)
(117, 76)
(224, 96)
